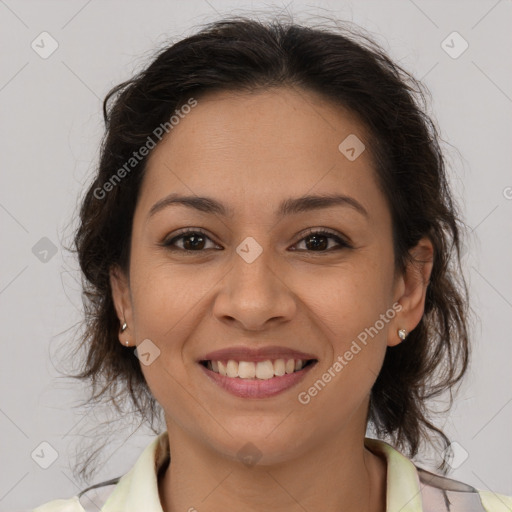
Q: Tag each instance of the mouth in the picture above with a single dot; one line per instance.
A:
(256, 379)
(257, 370)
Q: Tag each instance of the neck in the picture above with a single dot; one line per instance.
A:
(339, 475)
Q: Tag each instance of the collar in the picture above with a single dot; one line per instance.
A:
(403, 489)
(138, 489)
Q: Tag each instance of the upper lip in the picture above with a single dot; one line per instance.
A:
(240, 353)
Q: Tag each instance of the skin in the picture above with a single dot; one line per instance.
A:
(250, 152)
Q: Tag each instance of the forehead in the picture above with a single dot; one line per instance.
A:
(253, 148)
(282, 122)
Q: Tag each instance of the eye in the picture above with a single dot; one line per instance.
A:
(194, 240)
(318, 241)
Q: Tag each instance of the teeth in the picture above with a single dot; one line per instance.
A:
(279, 367)
(246, 370)
(263, 370)
(232, 368)
(222, 369)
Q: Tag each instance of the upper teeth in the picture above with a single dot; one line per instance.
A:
(260, 370)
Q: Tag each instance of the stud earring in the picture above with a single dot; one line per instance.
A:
(123, 328)
(402, 334)
(127, 342)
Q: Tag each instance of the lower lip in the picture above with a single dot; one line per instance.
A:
(257, 388)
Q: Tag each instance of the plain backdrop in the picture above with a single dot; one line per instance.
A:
(51, 125)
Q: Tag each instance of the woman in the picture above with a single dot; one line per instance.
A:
(268, 249)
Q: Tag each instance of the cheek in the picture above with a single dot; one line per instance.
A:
(168, 307)
(352, 310)
(350, 316)
(348, 301)
(166, 303)
(165, 295)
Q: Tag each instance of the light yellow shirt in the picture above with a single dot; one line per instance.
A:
(409, 489)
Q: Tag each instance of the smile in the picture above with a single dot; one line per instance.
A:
(263, 370)
(257, 379)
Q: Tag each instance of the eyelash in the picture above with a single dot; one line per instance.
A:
(343, 244)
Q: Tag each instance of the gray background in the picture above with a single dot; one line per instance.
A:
(50, 130)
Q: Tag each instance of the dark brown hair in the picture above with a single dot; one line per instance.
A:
(348, 68)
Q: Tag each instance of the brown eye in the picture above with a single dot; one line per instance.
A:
(195, 240)
(191, 241)
(318, 241)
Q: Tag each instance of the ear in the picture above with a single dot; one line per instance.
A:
(122, 302)
(411, 289)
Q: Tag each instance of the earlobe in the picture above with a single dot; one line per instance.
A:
(414, 283)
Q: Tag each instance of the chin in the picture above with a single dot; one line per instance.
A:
(264, 443)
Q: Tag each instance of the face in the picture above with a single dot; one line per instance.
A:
(313, 281)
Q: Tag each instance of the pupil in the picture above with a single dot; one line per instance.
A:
(316, 243)
(194, 244)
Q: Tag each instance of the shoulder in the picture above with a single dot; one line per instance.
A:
(413, 489)
(89, 500)
(496, 502)
(440, 493)
(136, 490)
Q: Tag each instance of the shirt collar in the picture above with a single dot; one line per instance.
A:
(138, 489)
(403, 491)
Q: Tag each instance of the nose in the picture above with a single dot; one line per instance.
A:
(255, 293)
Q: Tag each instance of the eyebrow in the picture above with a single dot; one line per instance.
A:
(289, 206)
